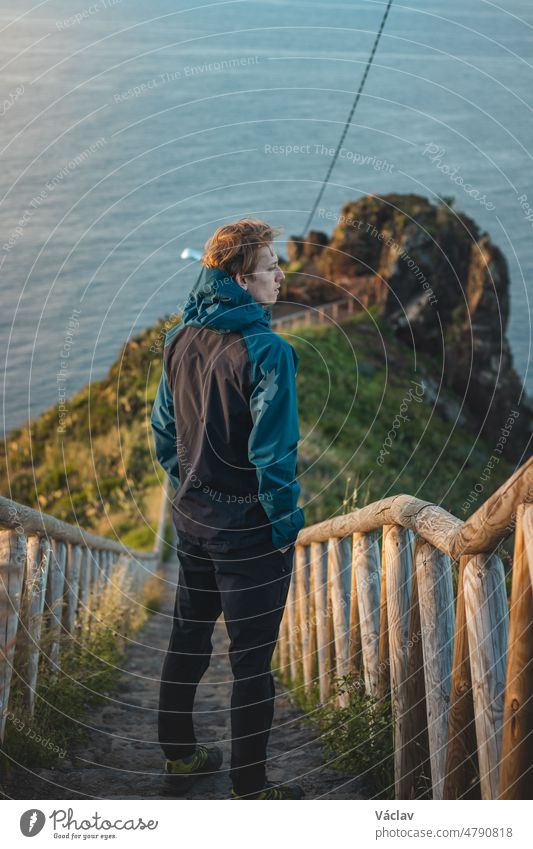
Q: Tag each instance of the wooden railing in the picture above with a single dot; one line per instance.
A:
(319, 314)
(53, 571)
(372, 594)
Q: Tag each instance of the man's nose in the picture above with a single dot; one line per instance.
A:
(281, 275)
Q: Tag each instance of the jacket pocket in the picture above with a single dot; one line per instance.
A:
(288, 559)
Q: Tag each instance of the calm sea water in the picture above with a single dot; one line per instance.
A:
(130, 130)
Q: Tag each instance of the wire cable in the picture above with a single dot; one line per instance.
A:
(350, 116)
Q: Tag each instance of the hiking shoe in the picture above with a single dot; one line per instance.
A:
(181, 773)
(274, 791)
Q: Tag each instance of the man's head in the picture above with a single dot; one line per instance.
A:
(244, 250)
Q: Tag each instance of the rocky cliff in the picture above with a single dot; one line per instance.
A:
(443, 288)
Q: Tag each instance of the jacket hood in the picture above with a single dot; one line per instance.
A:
(219, 303)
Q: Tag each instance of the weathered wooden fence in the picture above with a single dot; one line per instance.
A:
(55, 571)
(372, 594)
(332, 312)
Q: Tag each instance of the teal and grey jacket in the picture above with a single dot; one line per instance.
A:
(225, 420)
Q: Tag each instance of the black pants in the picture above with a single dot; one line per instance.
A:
(250, 587)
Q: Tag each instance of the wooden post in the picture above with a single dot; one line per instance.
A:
(383, 644)
(112, 557)
(31, 616)
(282, 649)
(108, 568)
(299, 608)
(305, 607)
(54, 599)
(134, 574)
(13, 547)
(367, 567)
(415, 769)
(330, 628)
(102, 563)
(294, 653)
(85, 590)
(516, 772)
(95, 578)
(319, 569)
(72, 580)
(340, 566)
(312, 637)
(487, 622)
(94, 592)
(437, 620)
(397, 557)
(461, 773)
(354, 626)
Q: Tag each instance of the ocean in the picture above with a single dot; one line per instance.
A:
(131, 130)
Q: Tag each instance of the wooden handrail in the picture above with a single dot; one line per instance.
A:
(495, 519)
(319, 310)
(491, 523)
(458, 665)
(14, 515)
(434, 523)
(43, 556)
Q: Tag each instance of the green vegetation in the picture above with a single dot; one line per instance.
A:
(102, 473)
(366, 415)
(169, 545)
(98, 470)
(358, 738)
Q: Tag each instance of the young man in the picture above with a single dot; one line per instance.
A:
(225, 425)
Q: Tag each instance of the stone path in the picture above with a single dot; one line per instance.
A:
(122, 759)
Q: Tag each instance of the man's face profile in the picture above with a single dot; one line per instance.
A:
(264, 283)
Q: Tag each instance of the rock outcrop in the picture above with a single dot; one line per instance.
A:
(439, 283)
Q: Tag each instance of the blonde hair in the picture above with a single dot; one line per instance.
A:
(234, 247)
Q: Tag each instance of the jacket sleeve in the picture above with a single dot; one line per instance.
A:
(164, 431)
(273, 442)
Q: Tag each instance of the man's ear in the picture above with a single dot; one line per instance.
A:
(240, 280)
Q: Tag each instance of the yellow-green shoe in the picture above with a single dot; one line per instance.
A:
(274, 791)
(181, 773)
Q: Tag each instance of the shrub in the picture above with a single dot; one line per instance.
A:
(359, 737)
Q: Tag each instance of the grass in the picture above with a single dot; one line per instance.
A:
(352, 381)
(362, 417)
(100, 473)
(358, 738)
